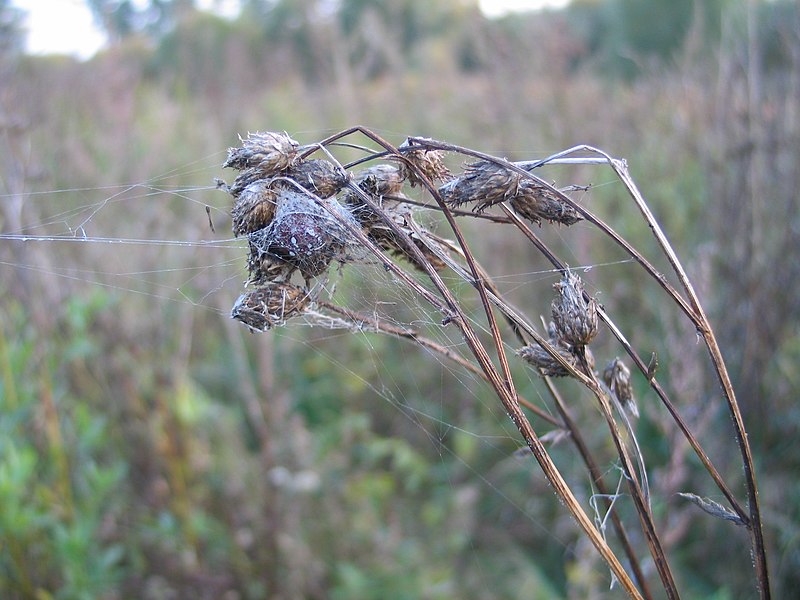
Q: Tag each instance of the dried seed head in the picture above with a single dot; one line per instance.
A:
(302, 234)
(320, 177)
(549, 366)
(269, 152)
(377, 181)
(385, 238)
(254, 208)
(265, 268)
(540, 204)
(484, 184)
(244, 179)
(380, 180)
(617, 377)
(268, 306)
(429, 162)
(575, 318)
(545, 363)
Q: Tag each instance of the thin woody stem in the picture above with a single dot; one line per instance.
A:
(704, 326)
(502, 385)
(682, 425)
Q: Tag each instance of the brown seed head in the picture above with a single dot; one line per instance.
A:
(549, 366)
(380, 180)
(269, 152)
(617, 376)
(429, 162)
(575, 318)
(320, 177)
(244, 179)
(254, 208)
(484, 184)
(270, 305)
(377, 182)
(545, 363)
(539, 204)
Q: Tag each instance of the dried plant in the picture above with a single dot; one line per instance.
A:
(485, 183)
(270, 305)
(303, 214)
(267, 153)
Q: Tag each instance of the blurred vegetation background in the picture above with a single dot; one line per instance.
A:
(151, 448)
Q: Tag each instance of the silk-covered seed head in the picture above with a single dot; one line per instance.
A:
(253, 208)
(265, 307)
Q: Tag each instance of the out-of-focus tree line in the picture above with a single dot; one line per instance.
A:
(151, 448)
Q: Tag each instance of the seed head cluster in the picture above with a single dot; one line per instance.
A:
(278, 201)
(302, 215)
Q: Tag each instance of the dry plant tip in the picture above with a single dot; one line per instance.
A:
(268, 152)
(617, 376)
(537, 356)
(429, 162)
(271, 305)
(484, 184)
(320, 177)
(713, 508)
(576, 320)
(254, 208)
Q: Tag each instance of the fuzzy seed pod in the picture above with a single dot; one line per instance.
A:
(243, 179)
(268, 306)
(484, 184)
(265, 268)
(380, 180)
(574, 317)
(540, 204)
(617, 377)
(269, 152)
(548, 366)
(428, 161)
(320, 177)
(385, 238)
(377, 182)
(302, 234)
(254, 208)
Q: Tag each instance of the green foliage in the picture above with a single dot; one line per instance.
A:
(57, 487)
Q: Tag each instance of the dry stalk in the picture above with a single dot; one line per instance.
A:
(372, 214)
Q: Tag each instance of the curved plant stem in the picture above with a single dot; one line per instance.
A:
(597, 478)
(704, 326)
(668, 404)
(501, 383)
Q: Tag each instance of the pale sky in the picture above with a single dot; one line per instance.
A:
(67, 27)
